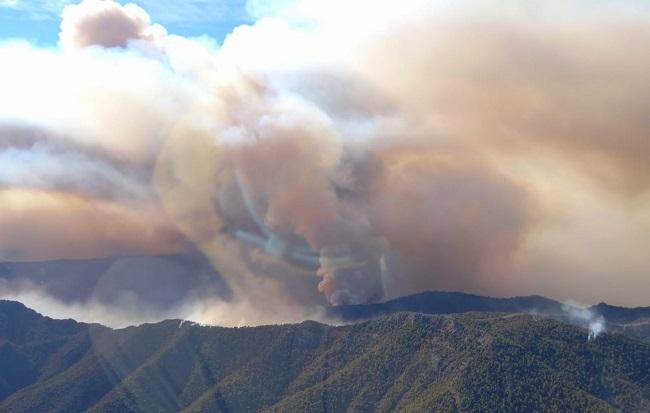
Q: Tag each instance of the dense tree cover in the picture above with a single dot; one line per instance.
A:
(633, 322)
(473, 362)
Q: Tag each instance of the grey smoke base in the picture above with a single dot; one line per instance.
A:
(155, 283)
(124, 291)
(119, 292)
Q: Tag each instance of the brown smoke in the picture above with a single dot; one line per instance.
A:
(450, 218)
(482, 145)
(453, 219)
(37, 225)
(107, 24)
(573, 88)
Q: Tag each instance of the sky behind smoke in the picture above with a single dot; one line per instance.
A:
(494, 147)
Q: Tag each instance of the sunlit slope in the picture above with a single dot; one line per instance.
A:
(401, 362)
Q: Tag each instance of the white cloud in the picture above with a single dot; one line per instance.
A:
(37, 9)
(163, 11)
(185, 11)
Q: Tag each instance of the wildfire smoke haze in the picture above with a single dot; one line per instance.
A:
(362, 150)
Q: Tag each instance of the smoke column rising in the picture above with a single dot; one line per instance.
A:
(585, 317)
(481, 146)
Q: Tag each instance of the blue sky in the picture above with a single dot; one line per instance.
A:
(38, 20)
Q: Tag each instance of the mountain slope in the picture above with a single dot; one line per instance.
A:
(634, 322)
(439, 302)
(402, 362)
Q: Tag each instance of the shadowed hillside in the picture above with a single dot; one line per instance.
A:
(402, 362)
(634, 322)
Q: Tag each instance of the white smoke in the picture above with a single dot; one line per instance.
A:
(586, 318)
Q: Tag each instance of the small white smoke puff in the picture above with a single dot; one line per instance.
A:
(586, 318)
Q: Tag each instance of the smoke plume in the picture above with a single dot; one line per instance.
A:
(584, 317)
(363, 151)
(106, 24)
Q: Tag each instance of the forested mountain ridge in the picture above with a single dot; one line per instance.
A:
(634, 322)
(401, 362)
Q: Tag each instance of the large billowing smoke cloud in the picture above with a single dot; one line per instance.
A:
(107, 24)
(358, 150)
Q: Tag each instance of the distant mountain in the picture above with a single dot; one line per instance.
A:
(634, 322)
(621, 315)
(438, 302)
(160, 281)
(150, 285)
(472, 362)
